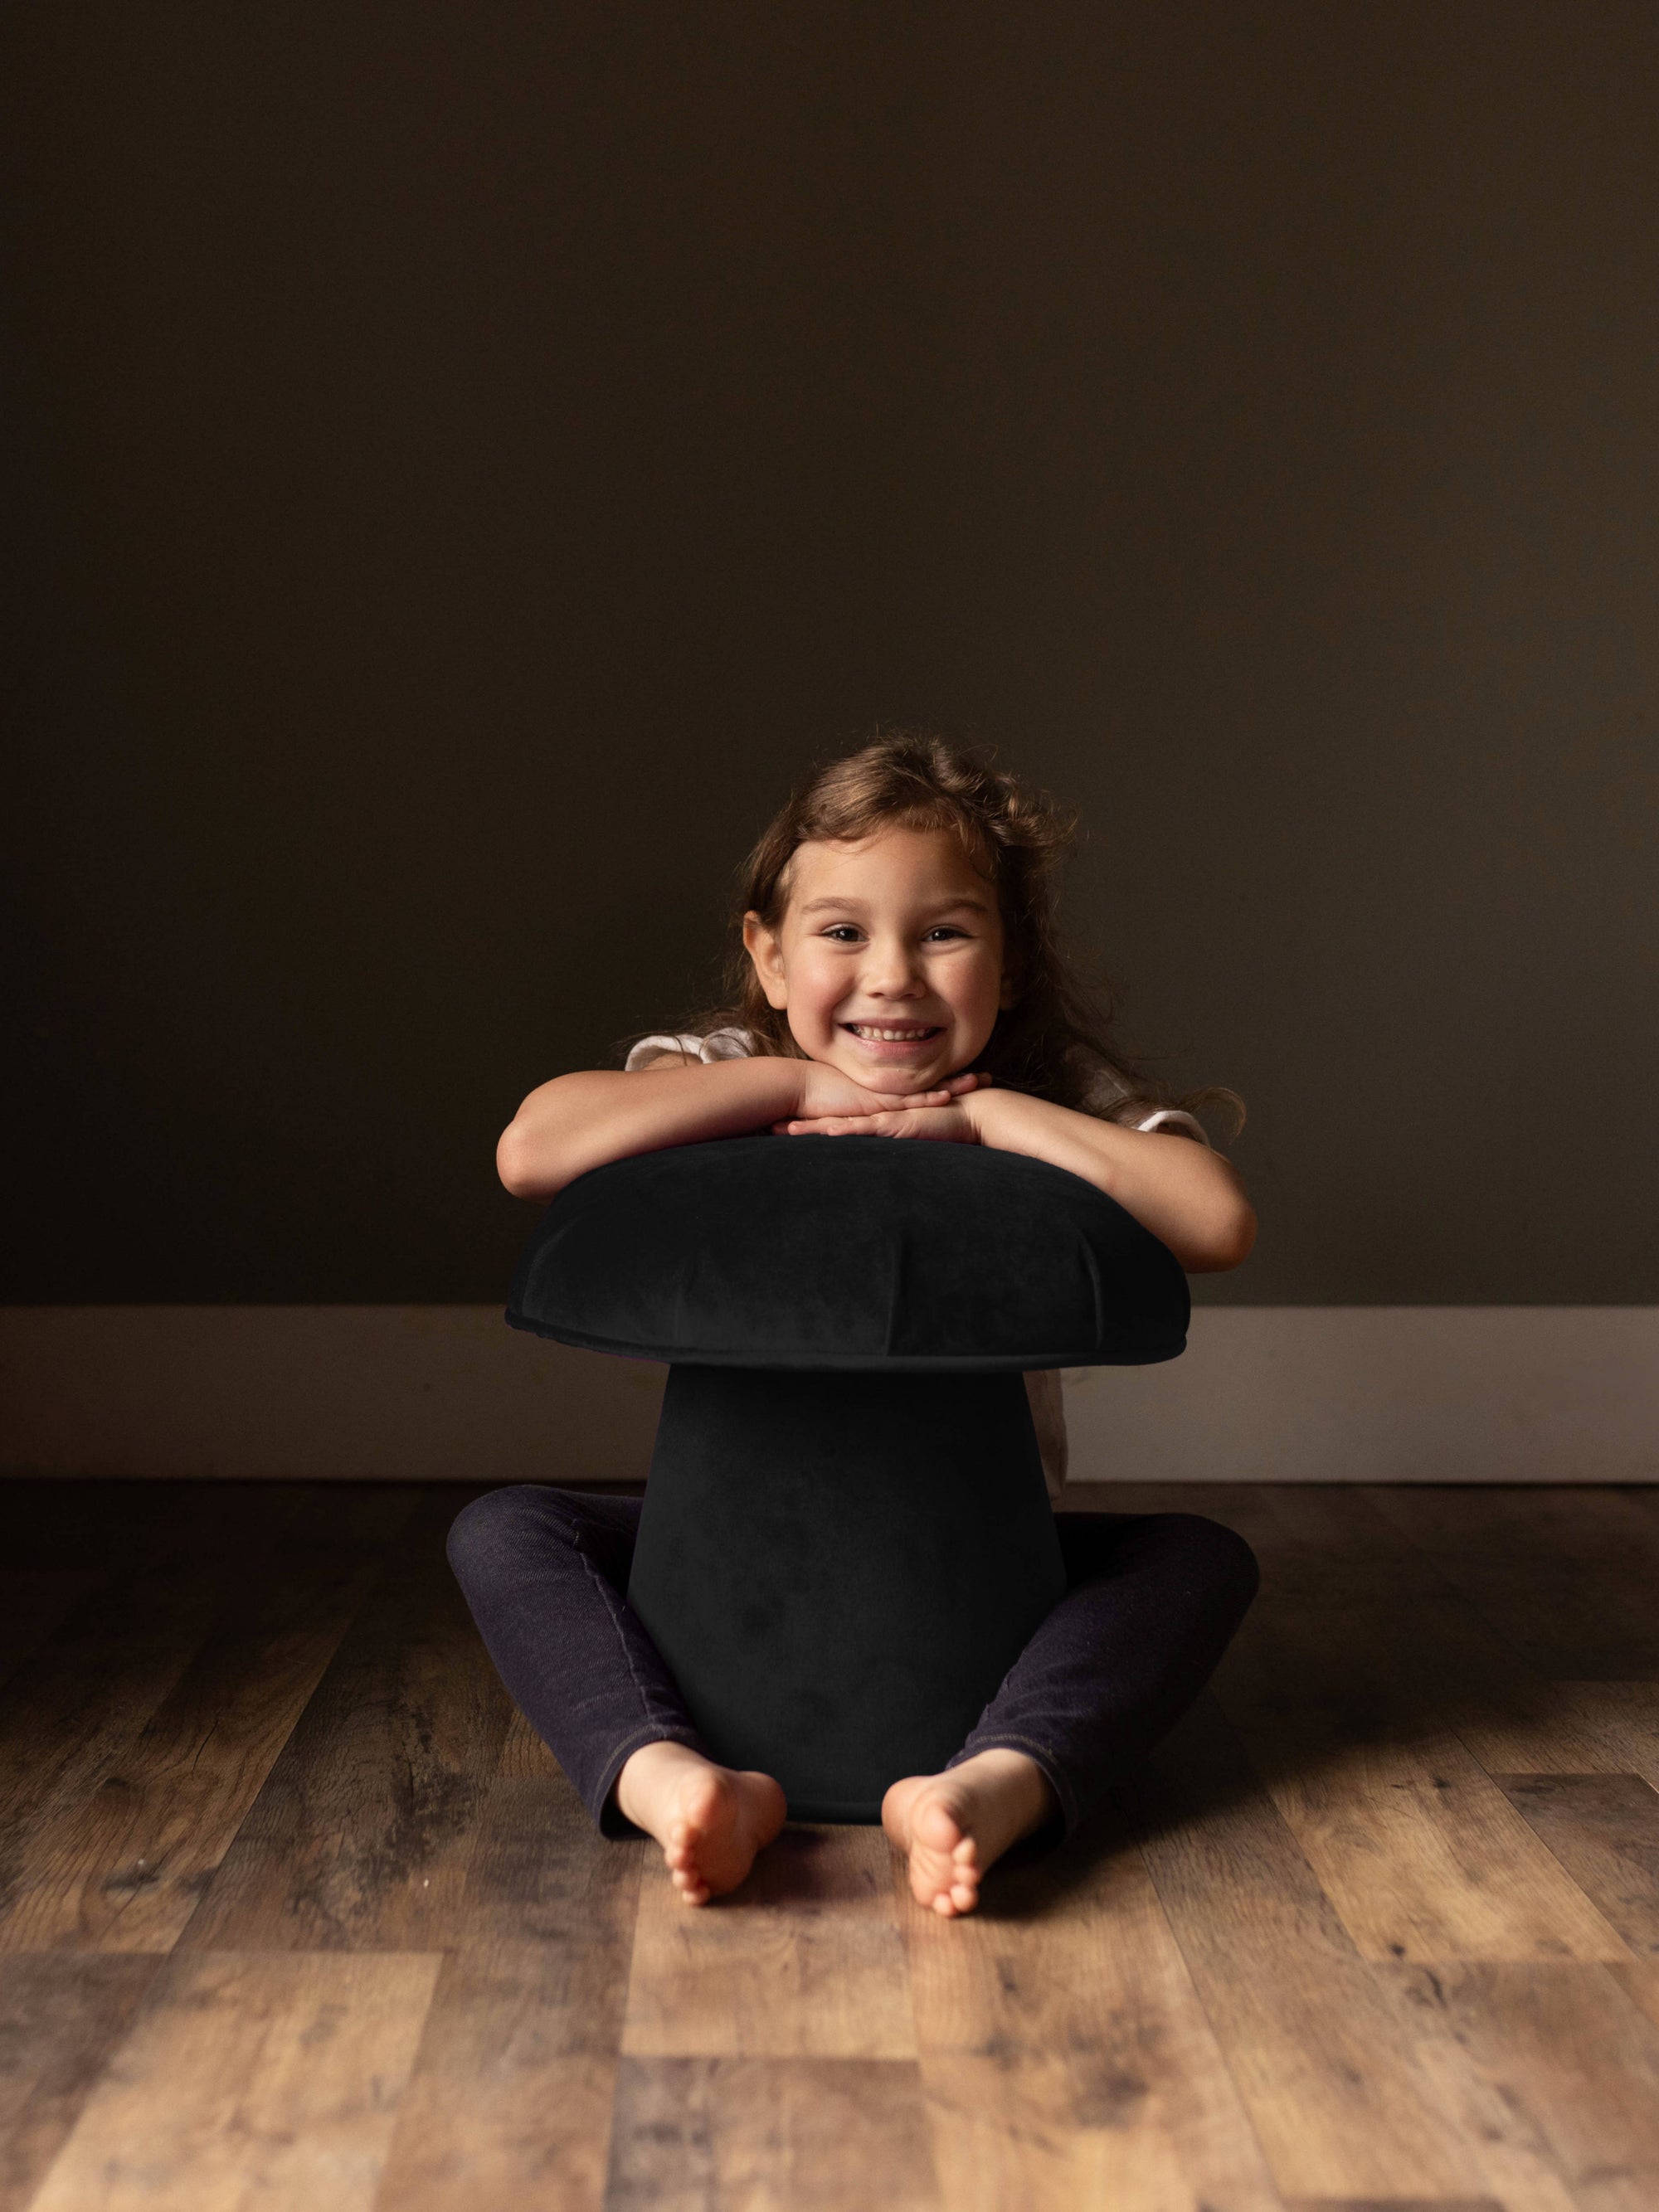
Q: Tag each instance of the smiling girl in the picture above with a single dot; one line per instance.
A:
(899, 977)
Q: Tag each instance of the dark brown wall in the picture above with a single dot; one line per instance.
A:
(472, 455)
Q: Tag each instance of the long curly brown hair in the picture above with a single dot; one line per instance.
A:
(1058, 1040)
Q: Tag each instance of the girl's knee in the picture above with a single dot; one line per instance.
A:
(490, 1531)
(1219, 1554)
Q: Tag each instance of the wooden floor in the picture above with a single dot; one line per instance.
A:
(296, 1913)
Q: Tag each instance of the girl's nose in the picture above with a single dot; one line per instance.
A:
(891, 970)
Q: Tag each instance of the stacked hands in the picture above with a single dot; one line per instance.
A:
(833, 1105)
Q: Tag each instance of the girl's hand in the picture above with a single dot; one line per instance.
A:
(826, 1094)
(949, 1123)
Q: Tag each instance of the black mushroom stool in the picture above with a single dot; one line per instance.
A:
(846, 1538)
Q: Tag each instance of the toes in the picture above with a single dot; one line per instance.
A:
(928, 1883)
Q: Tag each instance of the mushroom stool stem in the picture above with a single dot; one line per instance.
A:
(839, 1568)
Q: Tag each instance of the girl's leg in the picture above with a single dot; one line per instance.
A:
(1153, 1599)
(545, 1573)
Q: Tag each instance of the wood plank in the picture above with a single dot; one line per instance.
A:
(1348, 2095)
(1621, 1718)
(1640, 1983)
(360, 1516)
(361, 1836)
(1330, 1543)
(1327, 1541)
(1393, 2204)
(115, 1527)
(34, 1603)
(1516, 1721)
(1065, 2052)
(267, 2079)
(60, 2018)
(1418, 1849)
(770, 2135)
(123, 1868)
(510, 2101)
(1566, 1573)
(1604, 1829)
(804, 1961)
(72, 1708)
(1564, 2051)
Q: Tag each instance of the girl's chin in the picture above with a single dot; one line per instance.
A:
(894, 1067)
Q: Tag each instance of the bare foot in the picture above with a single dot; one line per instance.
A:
(956, 1825)
(710, 1820)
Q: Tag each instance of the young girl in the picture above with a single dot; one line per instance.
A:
(900, 977)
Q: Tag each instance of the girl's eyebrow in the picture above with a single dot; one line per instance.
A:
(859, 906)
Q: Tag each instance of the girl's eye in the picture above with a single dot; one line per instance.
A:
(946, 929)
(842, 932)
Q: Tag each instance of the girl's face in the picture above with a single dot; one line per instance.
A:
(888, 959)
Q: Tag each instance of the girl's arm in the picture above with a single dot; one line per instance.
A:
(579, 1122)
(1190, 1197)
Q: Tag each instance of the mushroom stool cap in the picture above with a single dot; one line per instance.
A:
(849, 1253)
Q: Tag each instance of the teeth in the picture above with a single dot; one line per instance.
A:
(888, 1037)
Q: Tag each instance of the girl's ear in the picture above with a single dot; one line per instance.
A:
(765, 950)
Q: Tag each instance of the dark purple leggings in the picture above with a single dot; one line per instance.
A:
(1152, 1602)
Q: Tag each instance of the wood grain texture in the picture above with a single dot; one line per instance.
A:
(416, 1977)
(1347, 2096)
(1640, 1984)
(1329, 1547)
(1567, 1574)
(1392, 2204)
(361, 1836)
(60, 2019)
(269, 2081)
(1621, 1719)
(124, 1867)
(86, 1692)
(1604, 1830)
(1066, 2056)
(770, 2135)
(510, 2101)
(1416, 1846)
(1566, 2054)
(1511, 1717)
(804, 1961)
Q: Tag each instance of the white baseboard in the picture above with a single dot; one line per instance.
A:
(1381, 1394)
(1264, 1394)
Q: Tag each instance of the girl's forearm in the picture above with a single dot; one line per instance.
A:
(579, 1122)
(1190, 1197)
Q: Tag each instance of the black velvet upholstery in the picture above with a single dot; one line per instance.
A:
(846, 1538)
(849, 1252)
(840, 1569)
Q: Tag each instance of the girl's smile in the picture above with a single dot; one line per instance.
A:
(888, 959)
